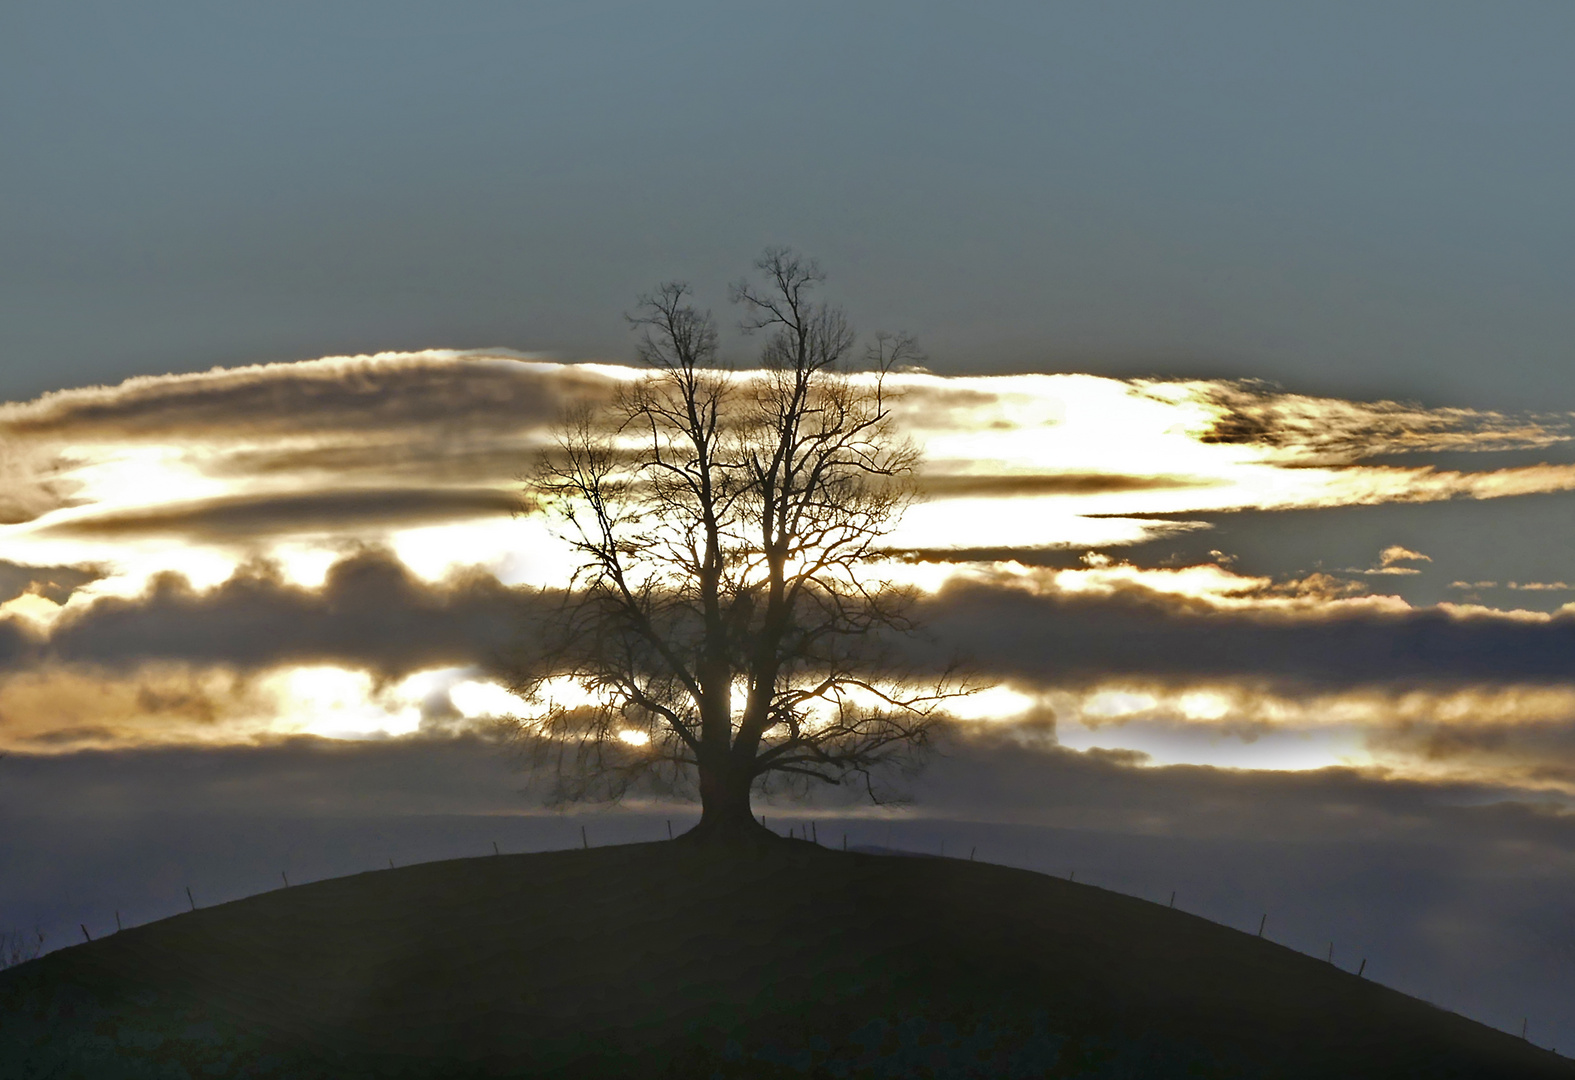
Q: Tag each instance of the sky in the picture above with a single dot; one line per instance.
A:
(1247, 436)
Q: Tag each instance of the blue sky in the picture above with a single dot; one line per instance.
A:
(1360, 199)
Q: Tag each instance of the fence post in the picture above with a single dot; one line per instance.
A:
(1262, 922)
(669, 828)
(286, 878)
(1362, 968)
(189, 899)
(585, 841)
(84, 931)
(1172, 897)
(117, 922)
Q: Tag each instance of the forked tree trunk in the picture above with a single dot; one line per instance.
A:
(725, 814)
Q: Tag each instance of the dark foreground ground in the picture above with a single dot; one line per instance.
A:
(664, 960)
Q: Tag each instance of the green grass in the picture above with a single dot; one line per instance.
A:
(675, 960)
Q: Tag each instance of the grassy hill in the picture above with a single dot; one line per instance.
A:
(674, 960)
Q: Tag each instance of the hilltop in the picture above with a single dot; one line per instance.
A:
(678, 960)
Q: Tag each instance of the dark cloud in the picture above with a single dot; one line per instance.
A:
(370, 613)
(54, 583)
(1058, 558)
(458, 392)
(241, 516)
(955, 486)
(1468, 540)
(1013, 772)
(450, 460)
(16, 644)
(1539, 752)
(30, 482)
(1074, 638)
(1255, 413)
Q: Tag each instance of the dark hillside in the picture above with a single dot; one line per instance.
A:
(674, 960)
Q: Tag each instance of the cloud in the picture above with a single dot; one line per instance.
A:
(1515, 735)
(1065, 637)
(1395, 554)
(243, 517)
(1188, 664)
(53, 708)
(17, 644)
(1048, 627)
(346, 458)
(54, 583)
(1392, 561)
(952, 485)
(394, 393)
(370, 613)
(1332, 429)
(342, 448)
(31, 481)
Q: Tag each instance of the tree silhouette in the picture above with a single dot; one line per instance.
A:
(725, 628)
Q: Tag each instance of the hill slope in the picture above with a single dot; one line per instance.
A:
(667, 959)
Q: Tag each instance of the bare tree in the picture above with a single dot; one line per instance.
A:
(725, 627)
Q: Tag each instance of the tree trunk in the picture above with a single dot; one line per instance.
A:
(725, 814)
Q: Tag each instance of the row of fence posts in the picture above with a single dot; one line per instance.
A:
(811, 835)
